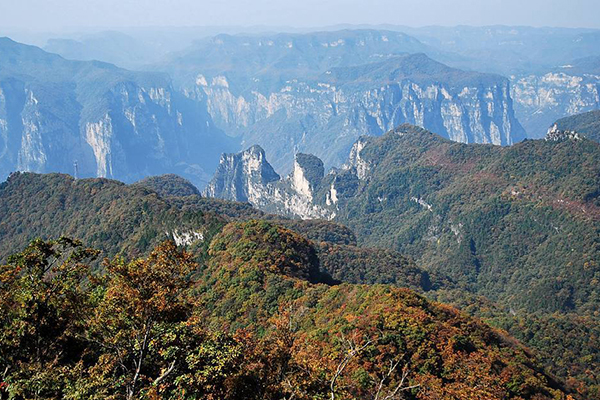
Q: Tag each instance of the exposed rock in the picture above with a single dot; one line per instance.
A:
(110, 122)
(185, 238)
(306, 193)
(307, 174)
(557, 135)
(324, 110)
(242, 176)
(586, 125)
(542, 99)
(248, 177)
(355, 162)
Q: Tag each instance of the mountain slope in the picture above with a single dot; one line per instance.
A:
(301, 337)
(106, 214)
(448, 355)
(111, 122)
(131, 219)
(494, 219)
(586, 125)
(518, 225)
(317, 93)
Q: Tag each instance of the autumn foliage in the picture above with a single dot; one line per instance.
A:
(257, 319)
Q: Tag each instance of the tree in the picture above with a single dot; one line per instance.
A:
(142, 322)
(43, 295)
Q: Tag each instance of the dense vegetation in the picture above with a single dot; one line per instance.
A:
(130, 219)
(105, 214)
(569, 345)
(517, 224)
(247, 324)
(114, 217)
(566, 343)
(47, 206)
(169, 185)
(363, 265)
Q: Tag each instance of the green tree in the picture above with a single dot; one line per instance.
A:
(141, 323)
(43, 295)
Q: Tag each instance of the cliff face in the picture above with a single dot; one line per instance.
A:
(112, 123)
(306, 193)
(248, 177)
(542, 99)
(326, 116)
(242, 177)
(317, 93)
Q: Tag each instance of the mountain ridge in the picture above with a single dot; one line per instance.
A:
(423, 195)
(288, 100)
(109, 121)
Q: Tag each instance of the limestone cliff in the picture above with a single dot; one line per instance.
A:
(96, 120)
(544, 98)
(326, 115)
(248, 177)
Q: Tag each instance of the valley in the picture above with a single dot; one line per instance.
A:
(343, 211)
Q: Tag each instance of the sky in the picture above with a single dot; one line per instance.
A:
(38, 15)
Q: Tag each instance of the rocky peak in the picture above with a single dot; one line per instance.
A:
(307, 174)
(248, 177)
(238, 175)
(308, 192)
(556, 134)
(255, 164)
(355, 161)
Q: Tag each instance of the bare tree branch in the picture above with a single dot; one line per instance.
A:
(165, 374)
(399, 388)
(353, 351)
(140, 360)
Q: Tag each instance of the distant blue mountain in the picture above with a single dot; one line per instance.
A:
(111, 122)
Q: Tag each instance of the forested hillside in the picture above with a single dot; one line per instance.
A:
(518, 224)
(258, 319)
(131, 219)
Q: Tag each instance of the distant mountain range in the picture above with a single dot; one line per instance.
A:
(319, 92)
(311, 92)
(509, 50)
(554, 72)
(94, 119)
(526, 55)
(563, 91)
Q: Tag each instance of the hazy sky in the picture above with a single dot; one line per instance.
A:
(53, 14)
